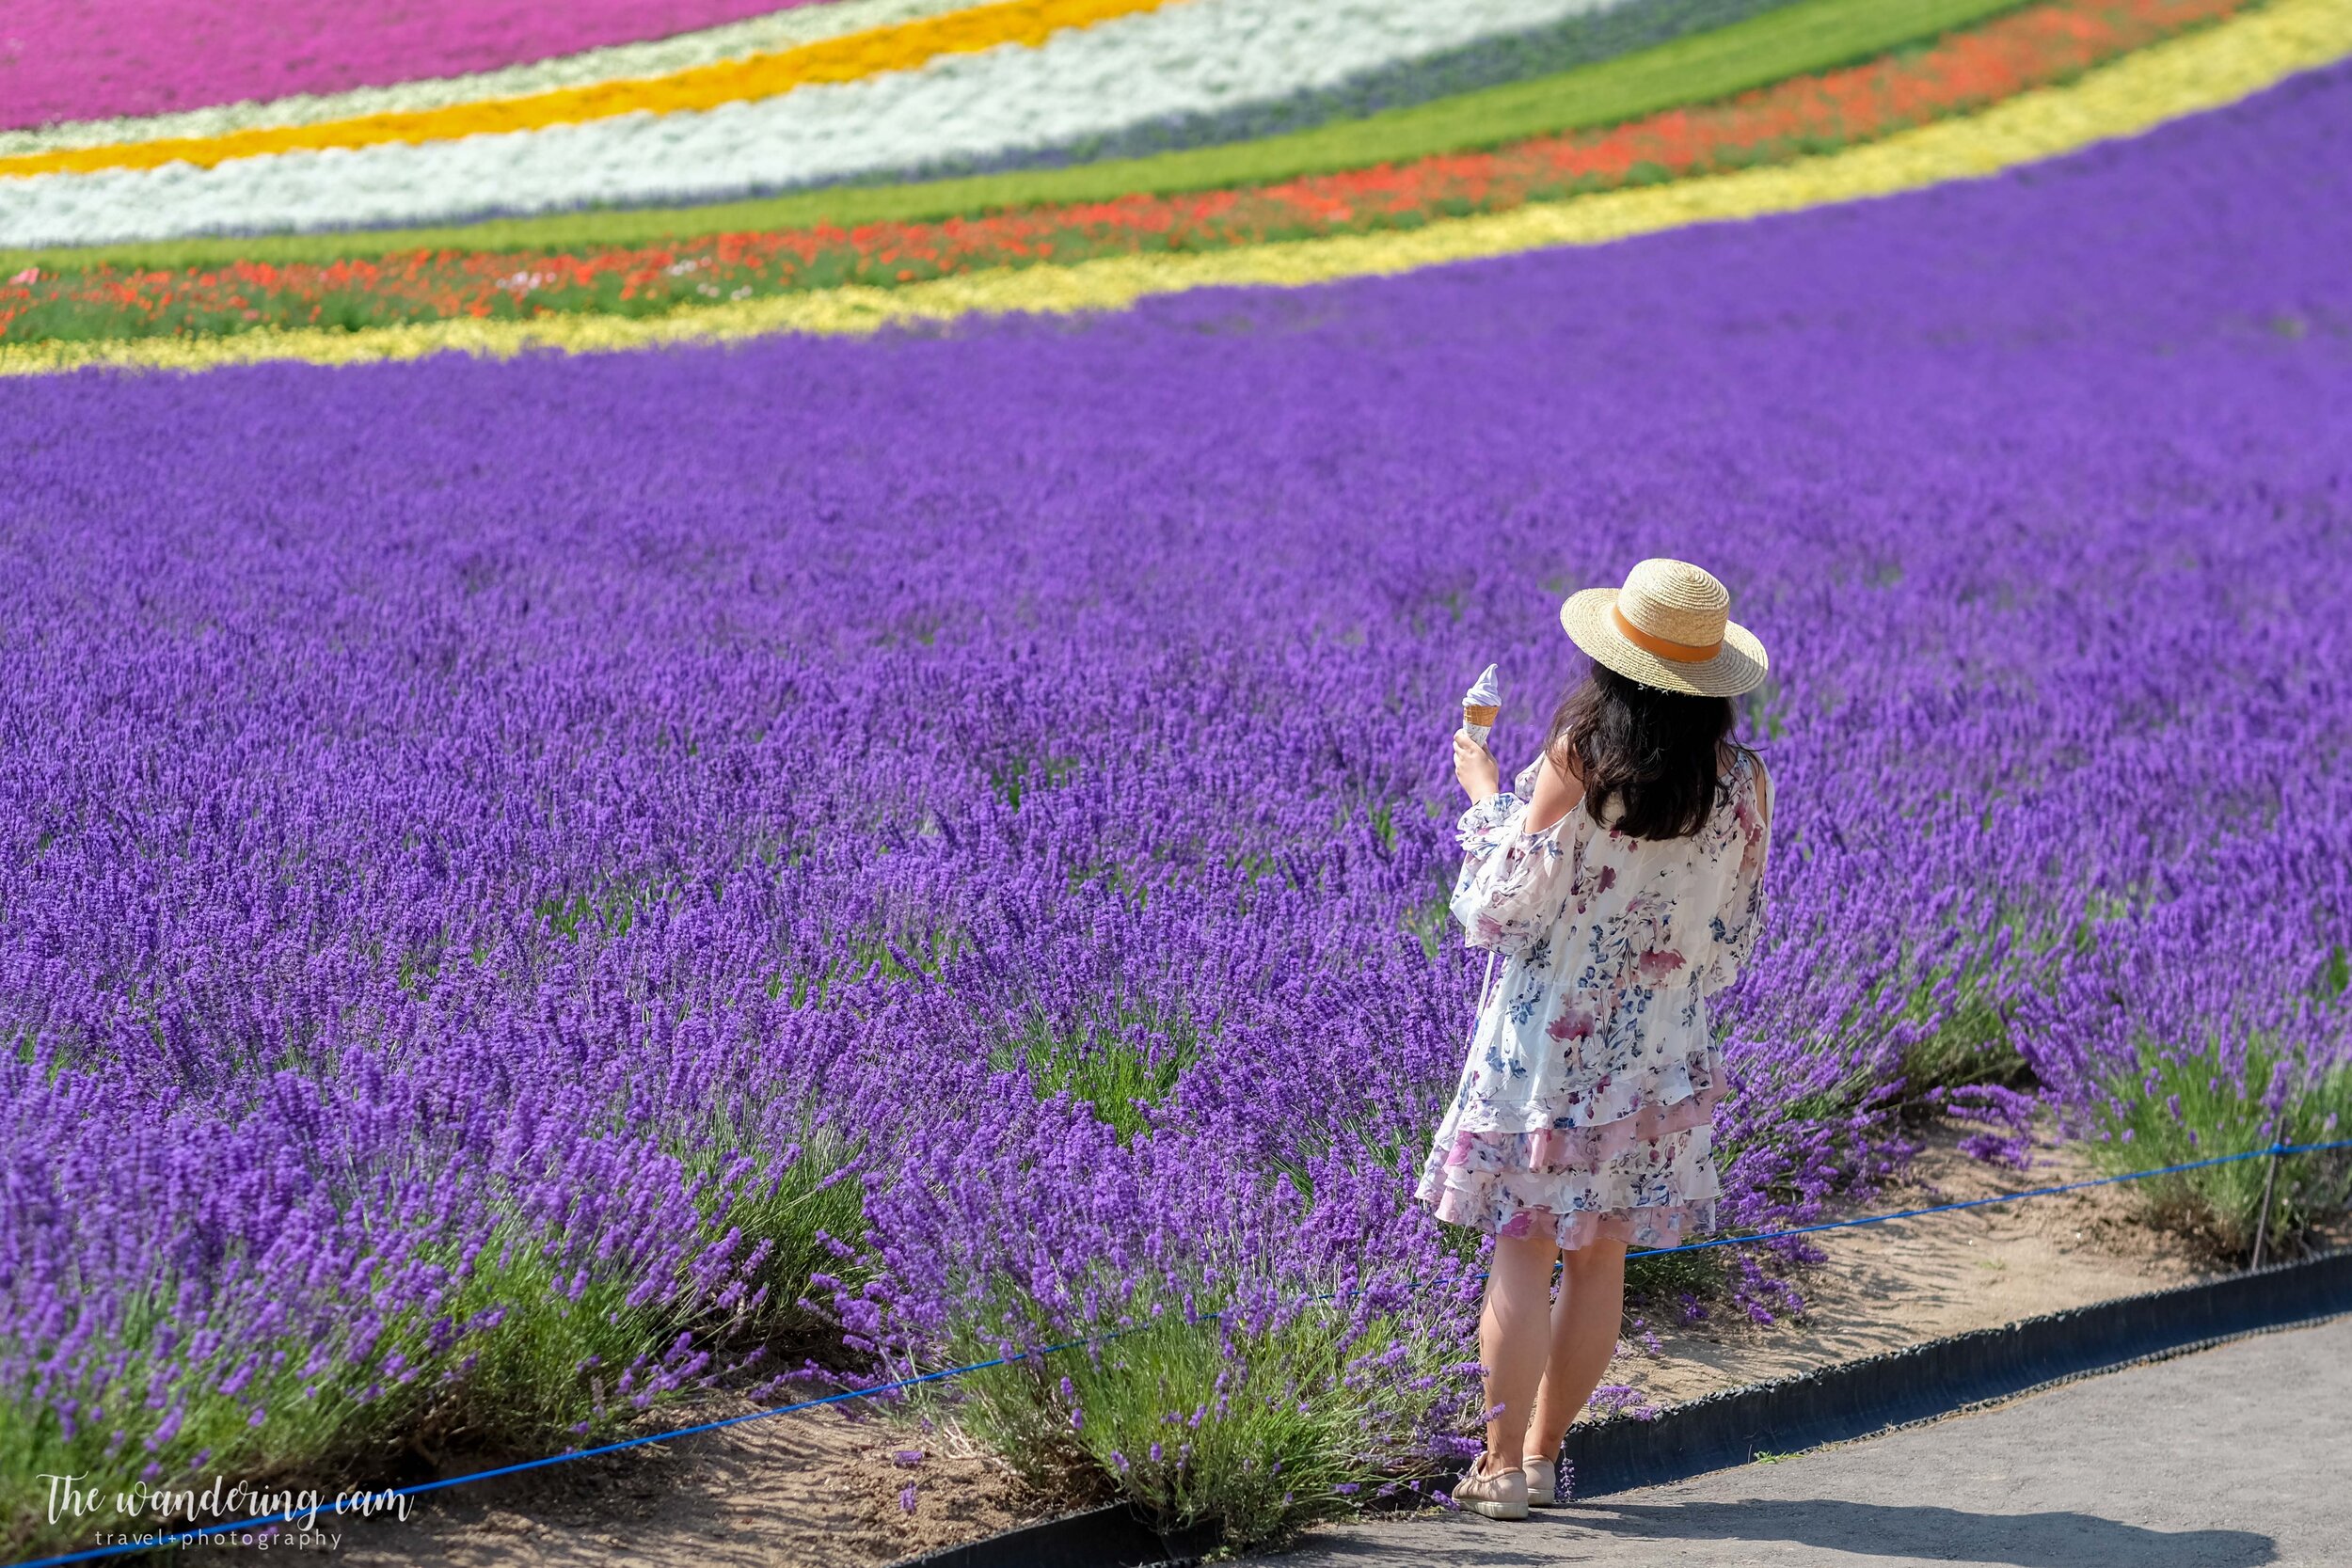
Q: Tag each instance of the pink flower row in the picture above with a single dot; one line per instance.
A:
(89, 59)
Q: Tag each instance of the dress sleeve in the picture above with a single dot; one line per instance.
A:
(1513, 883)
(1742, 917)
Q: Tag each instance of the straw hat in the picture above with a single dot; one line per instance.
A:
(1669, 627)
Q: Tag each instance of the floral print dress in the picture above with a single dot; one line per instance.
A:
(1584, 1110)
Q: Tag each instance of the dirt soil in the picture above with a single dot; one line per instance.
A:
(823, 1490)
(814, 1490)
(1888, 1286)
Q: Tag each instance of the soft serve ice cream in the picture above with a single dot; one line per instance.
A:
(1480, 704)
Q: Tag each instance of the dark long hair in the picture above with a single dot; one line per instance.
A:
(1659, 754)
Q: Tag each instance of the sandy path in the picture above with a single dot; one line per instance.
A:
(1888, 1286)
(816, 1489)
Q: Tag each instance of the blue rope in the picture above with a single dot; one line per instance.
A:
(898, 1384)
(264, 1522)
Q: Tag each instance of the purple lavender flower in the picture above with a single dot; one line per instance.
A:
(508, 831)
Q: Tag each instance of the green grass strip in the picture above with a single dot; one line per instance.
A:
(1808, 36)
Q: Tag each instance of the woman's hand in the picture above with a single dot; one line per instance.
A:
(1474, 766)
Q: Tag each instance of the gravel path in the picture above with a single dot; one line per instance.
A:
(2231, 1458)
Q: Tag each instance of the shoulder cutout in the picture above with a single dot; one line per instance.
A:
(1557, 793)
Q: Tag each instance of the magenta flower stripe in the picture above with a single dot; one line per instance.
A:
(93, 59)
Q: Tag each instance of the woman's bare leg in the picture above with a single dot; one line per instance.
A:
(1584, 1324)
(1514, 1339)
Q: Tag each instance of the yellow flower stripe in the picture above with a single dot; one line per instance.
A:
(2201, 71)
(847, 59)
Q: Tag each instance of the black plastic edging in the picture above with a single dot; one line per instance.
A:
(1113, 1536)
(1859, 1397)
(1834, 1404)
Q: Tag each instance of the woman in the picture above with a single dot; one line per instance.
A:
(1621, 881)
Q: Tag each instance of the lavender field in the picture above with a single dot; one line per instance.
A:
(513, 875)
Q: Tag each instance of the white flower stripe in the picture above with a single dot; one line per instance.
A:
(1197, 57)
(1498, 58)
(760, 35)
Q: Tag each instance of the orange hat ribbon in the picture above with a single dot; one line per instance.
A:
(1680, 653)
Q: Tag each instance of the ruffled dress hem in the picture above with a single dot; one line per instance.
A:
(1647, 1180)
(1548, 1150)
(1650, 1227)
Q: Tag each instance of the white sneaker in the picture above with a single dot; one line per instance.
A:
(1497, 1495)
(1543, 1482)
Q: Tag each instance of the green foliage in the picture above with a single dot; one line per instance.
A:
(2190, 1107)
(1288, 1431)
(1971, 1045)
(1669, 1278)
(523, 1355)
(1764, 712)
(779, 1211)
(272, 1409)
(1121, 1065)
(903, 955)
(1431, 921)
(1813, 34)
(909, 950)
(1023, 773)
(611, 914)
